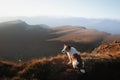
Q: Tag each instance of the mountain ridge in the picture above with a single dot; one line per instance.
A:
(33, 41)
(100, 24)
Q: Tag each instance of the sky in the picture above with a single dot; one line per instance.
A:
(64, 8)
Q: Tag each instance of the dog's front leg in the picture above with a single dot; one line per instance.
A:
(69, 57)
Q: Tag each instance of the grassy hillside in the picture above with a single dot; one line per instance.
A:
(98, 67)
(104, 65)
(79, 34)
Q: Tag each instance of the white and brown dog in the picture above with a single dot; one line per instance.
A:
(74, 57)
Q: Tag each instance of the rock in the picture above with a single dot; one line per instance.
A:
(108, 47)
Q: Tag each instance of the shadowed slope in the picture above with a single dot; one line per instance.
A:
(23, 41)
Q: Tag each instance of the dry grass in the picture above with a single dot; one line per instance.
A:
(56, 68)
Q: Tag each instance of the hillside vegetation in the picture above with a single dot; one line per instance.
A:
(98, 67)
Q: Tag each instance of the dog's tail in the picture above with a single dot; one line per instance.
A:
(83, 68)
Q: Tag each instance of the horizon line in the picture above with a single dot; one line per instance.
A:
(59, 17)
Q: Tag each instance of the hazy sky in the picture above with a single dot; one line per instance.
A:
(74, 8)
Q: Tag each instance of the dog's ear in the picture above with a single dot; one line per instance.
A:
(68, 48)
(65, 44)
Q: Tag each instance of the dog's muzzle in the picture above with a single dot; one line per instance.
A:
(63, 51)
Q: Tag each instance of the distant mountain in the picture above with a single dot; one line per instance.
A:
(19, 40)
(107, 25)
(79, 34)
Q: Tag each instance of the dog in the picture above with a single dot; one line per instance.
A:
(74, 57)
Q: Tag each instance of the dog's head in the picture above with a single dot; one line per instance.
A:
(66, 48)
